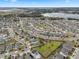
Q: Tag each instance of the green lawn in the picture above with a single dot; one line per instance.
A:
(48, 48)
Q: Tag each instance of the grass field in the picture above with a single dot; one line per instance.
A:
(48, 48)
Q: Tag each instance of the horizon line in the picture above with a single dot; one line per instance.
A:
(39, 6)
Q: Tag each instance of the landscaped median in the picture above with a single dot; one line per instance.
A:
(48, 48)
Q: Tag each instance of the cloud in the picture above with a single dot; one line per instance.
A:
(11, 0)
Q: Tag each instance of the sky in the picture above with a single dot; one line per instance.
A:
(39, 3)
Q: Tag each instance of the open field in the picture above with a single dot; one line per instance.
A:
(48, 48)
